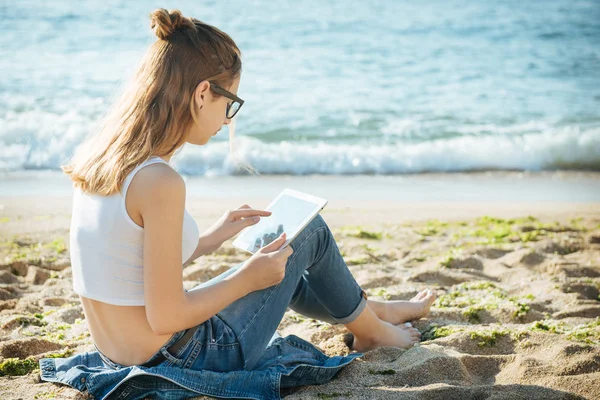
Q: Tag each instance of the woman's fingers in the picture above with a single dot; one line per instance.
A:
(249, 212)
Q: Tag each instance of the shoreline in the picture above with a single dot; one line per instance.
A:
(494, 186)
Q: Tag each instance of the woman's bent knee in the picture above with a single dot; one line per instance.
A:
(309, 231)
(318, 221)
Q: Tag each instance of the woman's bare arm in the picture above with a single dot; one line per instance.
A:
(169, 308)
(206, 245)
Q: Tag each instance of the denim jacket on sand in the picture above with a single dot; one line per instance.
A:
(287, 362)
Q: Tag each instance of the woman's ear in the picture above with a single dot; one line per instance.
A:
(201, 93)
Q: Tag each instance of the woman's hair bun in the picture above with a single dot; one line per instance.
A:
(164, 23)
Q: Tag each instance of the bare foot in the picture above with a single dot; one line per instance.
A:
(400, 336)
(398, 311)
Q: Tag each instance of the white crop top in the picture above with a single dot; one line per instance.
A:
(106, 246)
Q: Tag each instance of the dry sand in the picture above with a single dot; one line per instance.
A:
(517, 314)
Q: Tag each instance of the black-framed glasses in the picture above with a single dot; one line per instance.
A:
(232, 108)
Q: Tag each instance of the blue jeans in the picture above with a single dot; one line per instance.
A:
(317, 284)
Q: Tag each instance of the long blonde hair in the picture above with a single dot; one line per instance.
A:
(157, 106)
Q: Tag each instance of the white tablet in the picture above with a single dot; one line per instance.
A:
(291, 212)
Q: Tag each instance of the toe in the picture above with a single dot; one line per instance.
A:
(431, 297)
(419, 296)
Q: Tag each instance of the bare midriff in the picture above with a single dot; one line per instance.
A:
(122, 333)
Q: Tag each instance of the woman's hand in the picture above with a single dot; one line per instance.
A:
(266, 267)
(232, 223)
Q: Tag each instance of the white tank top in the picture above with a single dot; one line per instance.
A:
(106, 246)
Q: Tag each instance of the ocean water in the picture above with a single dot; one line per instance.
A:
(338, 87)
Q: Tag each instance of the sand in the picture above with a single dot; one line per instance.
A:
(517, 314)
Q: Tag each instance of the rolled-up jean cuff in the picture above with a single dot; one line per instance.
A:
(357, 311)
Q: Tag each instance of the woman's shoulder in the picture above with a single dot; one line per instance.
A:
(156, 185)
(157, 173)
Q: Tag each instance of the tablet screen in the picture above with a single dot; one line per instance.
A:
(288, 215)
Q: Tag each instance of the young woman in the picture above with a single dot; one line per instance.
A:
(130, 231)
